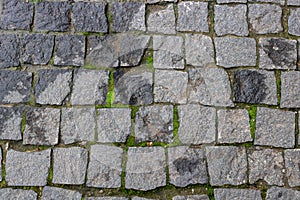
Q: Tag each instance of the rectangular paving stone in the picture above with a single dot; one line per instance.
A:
(145, 168)
(0, 165)
(241, 194)
(191, 197)
(290, 89)
(282, 193)
(106, 198)
(27, 168)
(293, 2)
(281, 2)
(10, 123)
(17, 194)
(292, 160)
(140, 198)
(9, 50)
(293, 22)
(56, 193)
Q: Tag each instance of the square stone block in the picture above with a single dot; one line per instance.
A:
(10, 123)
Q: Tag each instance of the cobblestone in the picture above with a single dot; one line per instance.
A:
(191, 197)
(17, 194)
(281, 2)
(282, 193)
(50, 193)
(10, 123)
(9, 54)
(293, 3)
(291, 158)
(290, 87)
(293, 22)
(107, 198)
(242, 194)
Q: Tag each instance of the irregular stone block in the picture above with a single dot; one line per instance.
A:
(293, 2)
(17, 194)
(107, 198)
(191, 197)
(294, 22)
(50, 193)
(242, 194)
(9, 50)
(292, 160)
(140, 198)
(10, 123)
(231, 1)
(280, 193)
(281, 2)
(290, 90)
(0, 166)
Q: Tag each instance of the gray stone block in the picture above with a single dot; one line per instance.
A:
(294, 22)
(241, 194)
(290, 90)
(191, 197)
(292, 158)
(107, 198)
(9, 50)
(56, 193)
(10, 123)
(0, 165)
(281, 2)
(280, 193)
(140, 198)
(197, 124)
(293, 2)
(17, 194)
(27, 168)
(145, 168)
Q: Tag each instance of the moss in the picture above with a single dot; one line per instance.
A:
(278, 84)
(23, 122)
(50, 175)
(247, 145)
(130, 142)
(134, 110)
(210, 191)
(89, 66)
(111, 93)
(86, 33)
(252, 115)
(176, 140)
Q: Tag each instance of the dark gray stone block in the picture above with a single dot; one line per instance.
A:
(17, 194)
(50, 193)
(10, 123)
(9, 50)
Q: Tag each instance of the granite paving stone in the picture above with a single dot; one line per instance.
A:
(197, 124)
(56, 193)
(191, 197)
(27, 168)
(159, 1)
(281, 2)
(294, 22)
(145, 168)
(17, 194)
(9, 50)
(226, 165)
(10, 123)
(293, 2)
(105, 167)
(231, 1)
(290, 89)
(107, 198)
(292, 160)
(280, 193)
(241, 194)
(140, 198)
(0, 165)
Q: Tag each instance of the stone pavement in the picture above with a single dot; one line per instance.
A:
(153, 99)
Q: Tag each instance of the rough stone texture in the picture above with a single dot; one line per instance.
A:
(69, 165)
(199, 50)
(281, 2)
(10, 123)
(53, 16)
(197, 124)
(36, 48)
(77, 124)
(105, 167)
(275, 127)
(226, 165)
(267, 165)
(154, 123)
(233, 126)
(255, 86)
(292, 160)
(89, 87)
(133, 86)
(17, 194)
(0, 165)
(192, 16)
(70, 50)
(53, 86)
(56, 193)
(235, 52)
(241, 194)
(42, 126)
(280, 193)
(186, 166)
(170, 86)
(265, 18)
(145, 168)
(27, 168)
(290, 90)
(231, 1)
(114, 124)
(191, 197)
(168, 52)
(107, 198)
(140, 198)
(209, 86)
(277, 53)
(15, 86)
(293, 2)
(128, 16)
(162, 21)
(294, 22)
(90, 17)
(9, 50)
(231, 20)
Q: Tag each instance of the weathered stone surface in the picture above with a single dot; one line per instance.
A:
(157, 1)
(89, 87)
(235, 52)
(17, 194)
(280, 193)
(292, 160)
(277, 53)
(275, 127)
(267, 165)
(231, 20)
(145, 168)
(162, 21)
(294, 22)
(186, 166)
(241, 194)
(107, 198)
(154, 123)
(128, 16)
(53, 16)
(53, 86)
(42, 126)
(114, 124)
(77, 124)
(105, 166)
(90, 17)
(293, 2)
(281, 2)
(168, 52)
(197, 124)
(231, 1)
(192, 16)
(0, 165)
(56, 193)
(265, 18)
(27, 168)
(199, 50)
(209, 86)
(290, 90)
(15, 86)
(10, 123)
(36, 48)
(170, 86)
(9, 50)
(233, 126)
(69, 165)
(140, 198)
(191, 197)
(255, 86)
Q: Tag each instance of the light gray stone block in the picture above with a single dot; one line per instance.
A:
(241, 194)
(292, 160)
(10, 123)
(290, 89)
(17, 194)
(294, 22)
(280, 193)
(56, 193)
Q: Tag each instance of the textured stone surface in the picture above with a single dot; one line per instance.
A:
(294, 22)
(290, 90)
(105, 167)
(292, 160)
(235, 52)
(230, 20)
(154, 123)
(197, 124)
(231, 1)
(107, 198)
(241, 194)
(53, 86)
(191, 197)
(0, 165)
(140, 198)
(56, 193)
(186, 166)
(281, 2)
(280, 193)
(170, 86)
(17, 194)
(42, 126)
(10, 123)
(267, 165)
(293, 2)
(113, 124)
(233, 126)
(275, 127)
(265, 18)
(209, 86)
(15, 86)
(145, 168)
(27, 168)
(9, 50)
